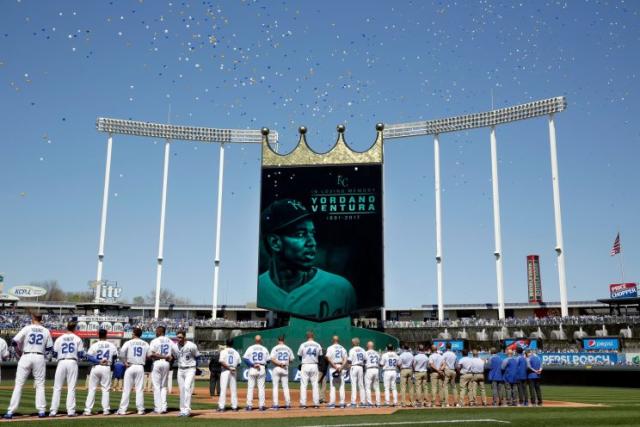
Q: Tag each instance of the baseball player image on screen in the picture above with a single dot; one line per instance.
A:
(101, 354)
(309, 353)
(356, 372)
(162, 351)
(337, 358)
(33, 341)
(281, 357)
(68, 349)
(188, 355)
(292, 283)
(134, 354)
(372, 374)
(229, 359)
(256, 357)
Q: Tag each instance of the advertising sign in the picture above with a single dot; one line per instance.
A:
(612, 343)
(27, 291)
(525, 343)
(533, 278)
(321, 242)
(579, 358)
(456, 345)
(87, 334)
(623, 290)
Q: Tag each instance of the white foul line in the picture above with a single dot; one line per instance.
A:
(399, 423)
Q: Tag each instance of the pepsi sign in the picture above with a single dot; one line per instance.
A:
(456, 345)
(600, 343)
(623, 290)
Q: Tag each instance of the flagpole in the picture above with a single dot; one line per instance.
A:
(621, 260)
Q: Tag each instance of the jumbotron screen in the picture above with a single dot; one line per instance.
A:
(321, 240)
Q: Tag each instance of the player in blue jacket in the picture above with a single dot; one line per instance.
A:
(510, 376)
(523, 395)
(495, 378)
(534, 369)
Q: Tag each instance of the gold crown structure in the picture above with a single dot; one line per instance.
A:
(339, 154)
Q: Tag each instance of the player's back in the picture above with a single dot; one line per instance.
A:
(282, 353)
(336, 353)
(357, 355)
(162, 346)
(103, 350)
(68, 346)
(372, 358)
(230, 356)
(310, 351)
(34, 339)
(390, 360)
(135, 351)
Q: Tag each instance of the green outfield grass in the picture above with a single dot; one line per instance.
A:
(622, 409)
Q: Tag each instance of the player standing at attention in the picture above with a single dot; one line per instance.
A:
(356, 372)
(420, 365)
(496, 379)
(309, 352)
(102, 354)
(68, 348)
(389, 362)
(4, 350)
(337, 359)
(256, 357)
(436, 363)
(161, 350)
(450, 359)
(281, 356)
(33, 340)
(372, 374)
(406, 376)
(134, 354)
(187, 354)
(229, 359)
(477, 368)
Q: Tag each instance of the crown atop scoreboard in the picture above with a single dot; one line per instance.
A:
(339, 154)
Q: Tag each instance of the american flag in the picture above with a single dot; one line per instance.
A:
(616, 246)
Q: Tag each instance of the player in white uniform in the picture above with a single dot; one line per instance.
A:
(134, 354)
(188, 355)
(372, 374)
(281, 357)
(389, 362)
(102, 354)
(356, 372)
(162, 350)
(256, 357)
(32, 340)
(309, 352)
(229, 359)
(68, 349)
(4, 350)
(337, 359)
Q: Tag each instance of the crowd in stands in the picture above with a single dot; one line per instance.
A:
(511, 321)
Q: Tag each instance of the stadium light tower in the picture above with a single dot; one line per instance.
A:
(170, 133)
(546, 107)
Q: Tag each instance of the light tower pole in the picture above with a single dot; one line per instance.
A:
(216, 262)
(163, 207)
(436, 169)
(496, 222)
(103, 217)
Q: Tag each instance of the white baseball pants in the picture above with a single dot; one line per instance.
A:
(356, 374)
(99, 375)
(160, 379)
(389, 377)
(309, 372)
(67, 370)
(186, 378)
(333, 383)
(372, 378)
(258, 375)
(133, 377)
(228, 378)
(29, 364)
(280, 375)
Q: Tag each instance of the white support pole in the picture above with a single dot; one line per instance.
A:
(496, 223)
(436, 159)
(103, 217)
(163, 206)
(216, 265)
(562, 278)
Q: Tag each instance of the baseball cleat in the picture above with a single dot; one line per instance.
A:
(141, 412)
(42, 414)
(8, 416)
(52, 413)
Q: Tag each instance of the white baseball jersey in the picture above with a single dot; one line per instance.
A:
(68, 346)
(163, 346)
(34, 339)
(390, 361)
(372, 359)
(103, 350)
(282, 354)
(357, 356)
(230, 357)
(4, 349)
(134, 352)
(257, 354)
(188, 355)
(337, 354)
(310, 351)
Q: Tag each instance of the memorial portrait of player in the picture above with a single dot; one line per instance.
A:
(320, 240)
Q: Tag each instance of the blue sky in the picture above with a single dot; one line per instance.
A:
(285, 64)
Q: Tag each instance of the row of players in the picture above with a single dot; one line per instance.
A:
(509, 377)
